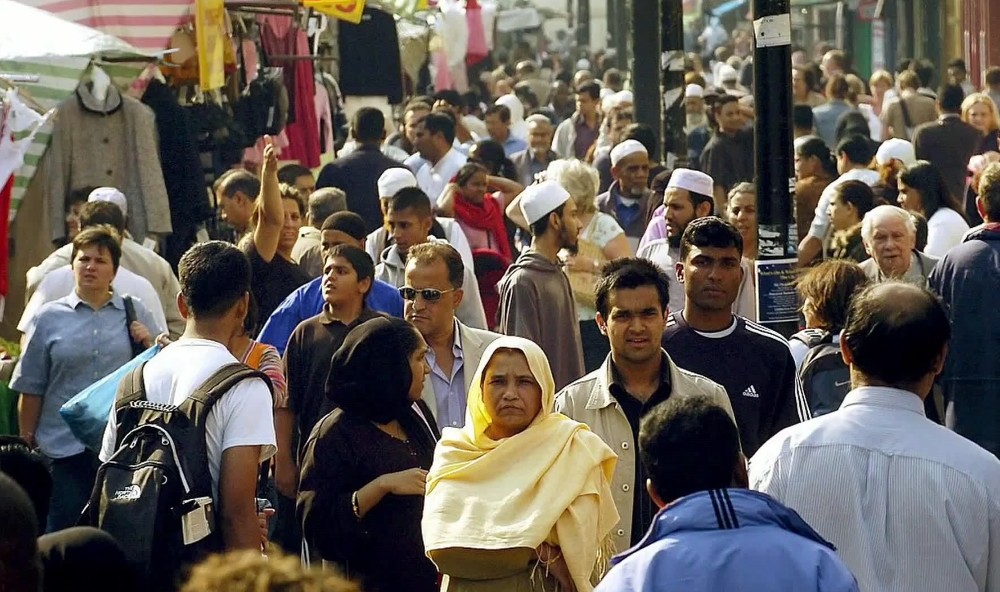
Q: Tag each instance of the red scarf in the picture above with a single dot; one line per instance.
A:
(487, 216)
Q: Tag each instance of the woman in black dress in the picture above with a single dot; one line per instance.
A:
(361, 494)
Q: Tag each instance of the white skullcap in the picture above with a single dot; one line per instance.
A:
(693, 90)
(727, 73)
(626, 148)
(536, 202)
(110, 195)
(693, 181)
(583, 64)
(623, 96)
(896, 149)
(392, 180)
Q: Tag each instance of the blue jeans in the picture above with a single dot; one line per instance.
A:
(72, 483)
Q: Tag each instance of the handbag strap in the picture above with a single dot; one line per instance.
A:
(130, 317)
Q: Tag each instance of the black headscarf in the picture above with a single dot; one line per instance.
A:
(84, 554)
(370, 373)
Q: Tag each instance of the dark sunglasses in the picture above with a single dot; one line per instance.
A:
(428, 294)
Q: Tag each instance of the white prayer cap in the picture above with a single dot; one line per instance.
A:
(727, 73)
(392, 180)
(110, 195)
(693, 181)
(693, 90)
(896, 149)
(623, 96)
(583, 64)
(536, 202)
(626, 148)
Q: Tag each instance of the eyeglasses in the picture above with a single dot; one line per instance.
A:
(428, 294)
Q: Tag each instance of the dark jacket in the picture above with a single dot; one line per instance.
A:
(948, 144)
(522, 164)
(847, 244)
(634, 231)
(357, 174)
(968, 278)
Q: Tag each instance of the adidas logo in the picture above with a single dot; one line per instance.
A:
(751, 392)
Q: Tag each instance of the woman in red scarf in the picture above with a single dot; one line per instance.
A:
(479, 213)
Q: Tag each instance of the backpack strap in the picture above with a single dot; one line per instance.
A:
(813, 337)
(201, 401)
(130, 390)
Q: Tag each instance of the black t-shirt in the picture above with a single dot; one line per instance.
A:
(272, 281)
(755, 366)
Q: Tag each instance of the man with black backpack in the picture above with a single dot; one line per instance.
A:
(188, 432)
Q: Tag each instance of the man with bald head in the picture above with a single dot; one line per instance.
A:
(890, 238)
(539, 154)
(909, 504)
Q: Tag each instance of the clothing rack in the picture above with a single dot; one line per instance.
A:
(281, 7)
(315, 58)
(23, 95)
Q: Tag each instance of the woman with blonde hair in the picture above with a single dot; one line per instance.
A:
(519, 499)
(601, 240)
(880, 83)
(979, 111)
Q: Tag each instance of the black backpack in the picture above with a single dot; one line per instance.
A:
(825, 377)
(158, 478)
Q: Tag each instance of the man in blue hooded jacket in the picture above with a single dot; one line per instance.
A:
(712, 533)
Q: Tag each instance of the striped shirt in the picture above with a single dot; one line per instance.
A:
(755, 366)
(910, 505)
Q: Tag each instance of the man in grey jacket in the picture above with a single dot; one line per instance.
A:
(576, 135)
(409, 219)
(632, 306)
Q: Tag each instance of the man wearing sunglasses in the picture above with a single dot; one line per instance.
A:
(432, 293)
(409, 219)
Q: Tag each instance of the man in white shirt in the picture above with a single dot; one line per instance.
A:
(136, 260)
(910, 505)
(214, 299)
(434, 143)
(854, 153)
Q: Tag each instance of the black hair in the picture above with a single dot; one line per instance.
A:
(925, 72)
(852, 123)
(213, 275)
(958, 64)
(30, 470)
(290, 172)
(349, 223)
(893, 342)
(102, 212)
(469, 170)
(642, 133)
(928, 180)
(627, 273)
(802, 117)
(239, 181)
(992, 76)
(19, 562)
(950, 97)
(440, 122)
(808, 73)
(688, 444)
(452, 97)
(470, 99)
(815, 146)
(710, 231)
(359, 260)
(411, 197)
(491, 154)
(858, 194)
(368, 125)
(501, 111)
(80, 195)
(541, 226)
(591, 87)
(724, 100)
(102, 236)
(428, 253)
(858, 148)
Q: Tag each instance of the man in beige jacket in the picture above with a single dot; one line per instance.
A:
(632, 306)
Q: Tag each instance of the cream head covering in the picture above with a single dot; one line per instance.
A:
(549, 483)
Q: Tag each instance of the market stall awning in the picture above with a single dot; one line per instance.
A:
(31, 33)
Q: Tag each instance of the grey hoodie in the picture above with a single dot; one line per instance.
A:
(536, 302)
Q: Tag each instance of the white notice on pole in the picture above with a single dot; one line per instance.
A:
(772, 31)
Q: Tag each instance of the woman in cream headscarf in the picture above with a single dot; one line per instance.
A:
(519, 499)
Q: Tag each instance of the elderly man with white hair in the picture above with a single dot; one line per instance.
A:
(890, 237)
(629, 199)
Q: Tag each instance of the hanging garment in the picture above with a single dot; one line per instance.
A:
(324, 119)
(279, 37)
(477, 50)
(108, 144)
(181, 165)
(454, 28)
(369, 57)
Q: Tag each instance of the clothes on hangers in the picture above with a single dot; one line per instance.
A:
(107, 144)
(369, 57)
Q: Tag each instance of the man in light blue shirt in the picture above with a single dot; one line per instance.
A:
(307, 301)
(910, 505)
(498, 124)
(432, 291)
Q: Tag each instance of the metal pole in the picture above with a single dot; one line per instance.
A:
(621, 33)
(773, 165)
(673, 139)
(583, 23)
(645, 65)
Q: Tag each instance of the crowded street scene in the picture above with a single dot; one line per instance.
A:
(500, 295)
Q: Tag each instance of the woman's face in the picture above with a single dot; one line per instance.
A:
(842, 214)
(93, 269)
(909, 198)
(879, 88)
(293, 222)
(474, 189)
(743, 215)
(512, 395)
(418, 368)
(805, 166)
(980, 117)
